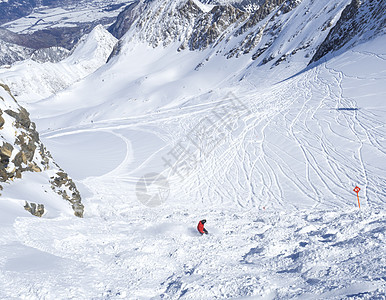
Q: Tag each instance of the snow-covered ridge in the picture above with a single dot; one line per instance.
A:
(32, 81)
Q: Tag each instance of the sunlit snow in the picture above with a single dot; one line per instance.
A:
(276, 188)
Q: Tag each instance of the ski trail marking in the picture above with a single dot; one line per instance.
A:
(356, 190)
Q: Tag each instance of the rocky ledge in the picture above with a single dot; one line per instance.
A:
(22, 151)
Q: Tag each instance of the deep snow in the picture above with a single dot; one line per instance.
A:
(276, 188)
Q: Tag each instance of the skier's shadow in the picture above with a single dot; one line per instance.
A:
(193, 232)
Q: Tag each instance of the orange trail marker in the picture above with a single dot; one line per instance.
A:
(356, 190)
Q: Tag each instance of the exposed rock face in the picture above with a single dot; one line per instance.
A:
(161, 23)
(361, 18)
(258, 28)
(268, 28)
(22, 151)
(125, 19)
(167, 22)
(213, 26)
(197, 28)
(34, 209)
(64, 186)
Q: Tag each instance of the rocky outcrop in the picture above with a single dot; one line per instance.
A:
(213, 26)
(198, 28)
(256, 30)
(269, 31)
(22, 151)
(167, 22)
(64, 186)
(360, 20)
(34, 209)
(125, 19)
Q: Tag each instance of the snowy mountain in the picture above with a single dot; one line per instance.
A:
(16, 48)
(36, 79)
(261, 117)
(10, 53)
(57, 25)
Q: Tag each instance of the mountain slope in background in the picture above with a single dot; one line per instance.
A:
(30, 16)
(33, 80)
(12, 50)
(57, 25)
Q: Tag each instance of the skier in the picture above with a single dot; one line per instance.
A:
(200, 227)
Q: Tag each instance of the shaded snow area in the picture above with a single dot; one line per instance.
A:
(270, 161)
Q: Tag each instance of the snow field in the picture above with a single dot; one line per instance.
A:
(142, 253)
(276, 189)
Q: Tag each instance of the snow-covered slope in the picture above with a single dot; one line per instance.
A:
(292, 159)
(240, 132)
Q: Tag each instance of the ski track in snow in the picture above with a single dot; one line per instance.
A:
(144, 254)
(288, 143)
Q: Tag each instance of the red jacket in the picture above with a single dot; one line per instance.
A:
(200, 228)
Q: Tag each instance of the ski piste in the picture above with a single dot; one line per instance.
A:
(283, 146)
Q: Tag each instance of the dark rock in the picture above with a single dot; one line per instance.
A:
(212, 25)
(36, 210)
(363, 19)
(29, 155)
(2, 121)
(125, 19)
(22, 117)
